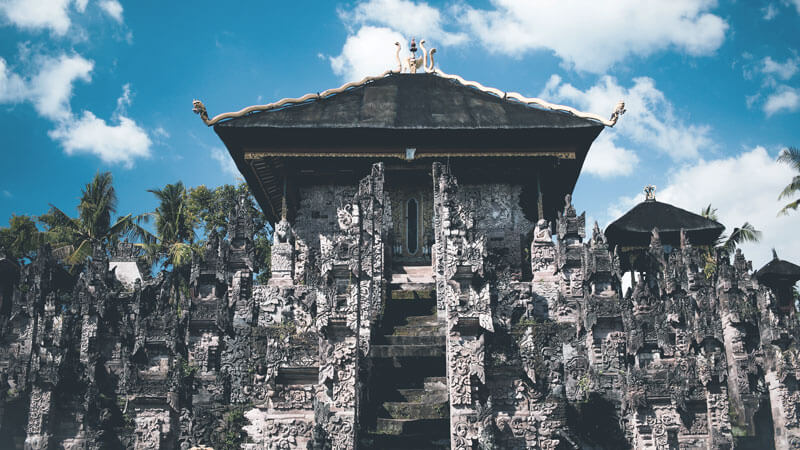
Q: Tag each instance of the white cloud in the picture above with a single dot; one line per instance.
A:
(12, 86)
(770, 11)
(412, 19)
(743, 188)
(785, 98)
(51, 89)
(38, 14)
(80, 5)
(796, 4)
(113, 144)
(606, 159)
(161, 132)
(371, 51)
(650, 120)
(7, 194)
(125, 99)
(783, 70)
(594, 35)
(226, 164)
(113, 8)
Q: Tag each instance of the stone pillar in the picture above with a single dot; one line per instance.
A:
(465, 295)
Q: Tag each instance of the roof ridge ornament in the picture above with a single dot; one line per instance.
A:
(412, 64)
(650, 193)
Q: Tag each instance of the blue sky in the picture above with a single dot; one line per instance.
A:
(712, 88)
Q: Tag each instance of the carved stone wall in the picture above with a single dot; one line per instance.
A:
(549, 355)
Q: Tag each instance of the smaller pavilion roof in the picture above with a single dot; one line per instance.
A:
(635, 227)
(778, 272)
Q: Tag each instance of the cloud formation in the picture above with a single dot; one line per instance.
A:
(593, 36)
(412, 19)
(121, 143)
(606, 159)
(784, 70)
(650, 120)
(784, 99)
(113, 8)
(40, 14)
(370, 51)
(50, 91)
(226, 164)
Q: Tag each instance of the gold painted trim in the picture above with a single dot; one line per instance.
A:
(560, 155)
(199, 108)
(259, 155)
(618, 110)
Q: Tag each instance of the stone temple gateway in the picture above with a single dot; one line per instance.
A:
(432, 286)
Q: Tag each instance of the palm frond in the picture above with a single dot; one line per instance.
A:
(180, 254)
(746, 233)
(709, 212)
(791, 188)
(81, 253)
(791, 157)
(790, 206)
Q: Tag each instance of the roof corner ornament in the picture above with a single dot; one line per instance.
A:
(200, 109)
(413, 63)
(618, 111)
(650, 192)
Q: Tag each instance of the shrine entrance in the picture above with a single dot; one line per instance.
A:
(412, 220)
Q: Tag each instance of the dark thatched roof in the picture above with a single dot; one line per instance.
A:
(411, 102)
(635, 227)
(778, 271)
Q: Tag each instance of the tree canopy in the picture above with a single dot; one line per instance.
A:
(791, 157)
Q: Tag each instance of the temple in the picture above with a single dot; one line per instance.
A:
(432, 286)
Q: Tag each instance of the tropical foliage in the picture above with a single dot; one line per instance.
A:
(21, 239)
(213, 208)
(75, 238)
(791, 157)
(170, 236)
(744, 233)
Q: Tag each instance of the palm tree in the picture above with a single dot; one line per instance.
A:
(745, 233)
(75, 238)
(174, 227)
(791, 157)
(173, 242)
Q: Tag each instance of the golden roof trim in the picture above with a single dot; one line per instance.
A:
(412, 65)
(401, 155)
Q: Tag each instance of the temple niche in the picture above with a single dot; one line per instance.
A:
(432, 286)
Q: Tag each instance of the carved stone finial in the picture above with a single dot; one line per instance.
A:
(199, 108)
(774, 254)
(650, 192)
(413, 63)
(618, 111)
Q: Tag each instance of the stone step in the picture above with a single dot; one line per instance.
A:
(418, 330)
(412, 340)
(406, 351)
(415, 410)
(407, 289)
(433, 383)
(379, 441)
(412, 321)
(412, 304)
(423, 395)
(412, 426)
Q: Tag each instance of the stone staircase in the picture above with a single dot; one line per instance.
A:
(409, 407)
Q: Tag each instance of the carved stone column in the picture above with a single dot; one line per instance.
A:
(459, 257)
